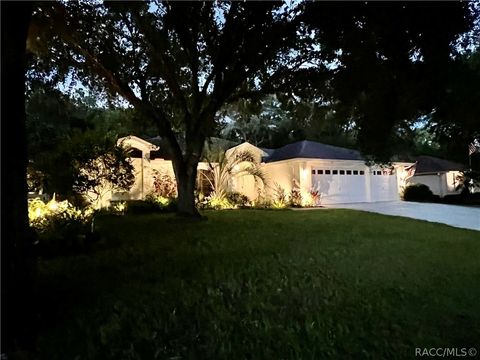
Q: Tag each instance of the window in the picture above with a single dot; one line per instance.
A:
(320, 172)
(342, 172)
(349, 172)
(335, 172)
(313, 172)
(355, 172)
(327, 172)
(362, 172)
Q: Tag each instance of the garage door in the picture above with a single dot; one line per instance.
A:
(340, 185)
(383, 185)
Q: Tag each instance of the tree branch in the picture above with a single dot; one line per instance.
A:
(158, 53)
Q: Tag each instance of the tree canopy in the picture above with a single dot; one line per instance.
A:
(392, 61)
(61, 130)
(178, 64)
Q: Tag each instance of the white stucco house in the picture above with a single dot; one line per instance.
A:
(440, 175)
(339, 175)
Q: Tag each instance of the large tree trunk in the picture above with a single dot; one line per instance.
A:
(185, 167)
(17, 241)
(186, 174)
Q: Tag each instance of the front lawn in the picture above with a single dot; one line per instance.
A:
(258, 284)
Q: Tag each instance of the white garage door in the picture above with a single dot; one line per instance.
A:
(340, 185)
(383, 185)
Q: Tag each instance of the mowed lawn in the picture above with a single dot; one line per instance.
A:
(258, 284)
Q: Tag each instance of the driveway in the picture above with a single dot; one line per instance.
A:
(453, 215)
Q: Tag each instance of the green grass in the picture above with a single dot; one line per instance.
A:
(263, 285)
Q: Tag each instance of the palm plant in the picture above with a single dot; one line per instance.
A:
(237, 164)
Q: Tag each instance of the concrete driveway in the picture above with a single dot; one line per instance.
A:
(453, 215)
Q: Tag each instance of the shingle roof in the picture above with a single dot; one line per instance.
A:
(313, 150)
(268, 151)
(212, 144)
(430, 164)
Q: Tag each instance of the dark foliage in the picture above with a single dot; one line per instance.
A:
(419, 192)
(236, 198)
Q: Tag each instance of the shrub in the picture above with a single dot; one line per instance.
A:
(238, 200)
(418, 192)
(61, 227)
(296, 198)
(216, 201)
(462, 199)
(164, 204)
(268, 204)
(315, 197)
(151, 204)
(280, 198)
(164, 185)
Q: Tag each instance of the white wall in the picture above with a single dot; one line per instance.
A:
(440, 184)
(283, 174)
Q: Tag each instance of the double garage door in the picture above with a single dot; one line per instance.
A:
(339, 186)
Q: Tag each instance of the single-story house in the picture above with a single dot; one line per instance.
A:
(440, 175)
(337, 174)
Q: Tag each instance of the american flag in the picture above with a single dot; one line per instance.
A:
(472, 149)
(410, 170)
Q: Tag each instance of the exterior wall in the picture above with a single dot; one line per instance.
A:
(434, 182)
(144, 171)
(283, 174)
(246, 184)
(452, 182)
(440, 184)
(368, 187)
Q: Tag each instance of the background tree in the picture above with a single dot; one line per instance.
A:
(78, 134)
(455, 121)
(389, 62)
(104, 169)
(177, 63)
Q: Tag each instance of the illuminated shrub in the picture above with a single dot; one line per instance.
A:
(238, 199)
(164, 185)
(280, 198)
(60, 226)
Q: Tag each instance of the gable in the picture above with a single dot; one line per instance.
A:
(246, 146)
(137, 143)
